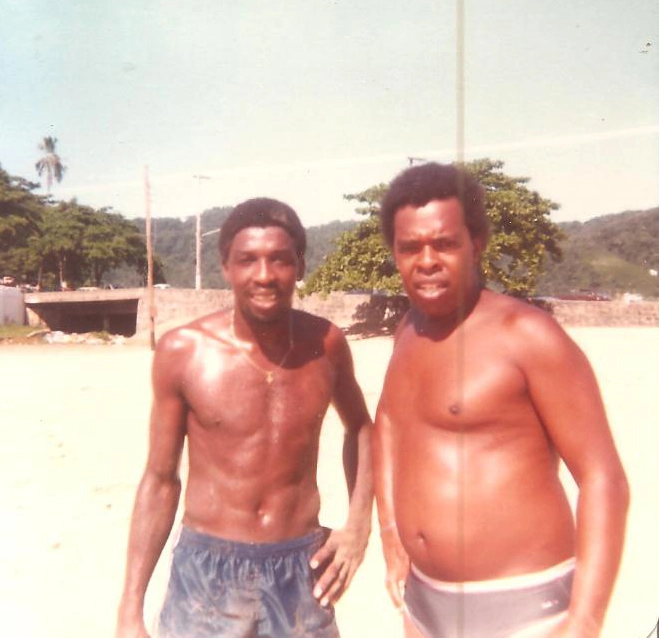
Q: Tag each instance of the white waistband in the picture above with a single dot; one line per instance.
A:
(499, 584)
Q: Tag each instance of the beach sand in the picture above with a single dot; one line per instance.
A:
(74, 435)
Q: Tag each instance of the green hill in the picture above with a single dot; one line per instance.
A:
(611, 253)
(174, 246)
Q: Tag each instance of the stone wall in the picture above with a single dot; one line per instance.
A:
(174, 306)
(605, 313)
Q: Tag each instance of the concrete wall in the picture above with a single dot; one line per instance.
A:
(605, 313)
(175, 306)
(12, 308)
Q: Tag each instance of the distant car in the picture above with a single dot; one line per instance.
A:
(632, 297)
(161, 286)
(585, 295)
(88, 288)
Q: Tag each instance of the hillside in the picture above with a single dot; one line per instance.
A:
(174, 246)
(611, 254)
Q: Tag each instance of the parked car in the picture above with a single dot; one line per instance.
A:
(585, 295)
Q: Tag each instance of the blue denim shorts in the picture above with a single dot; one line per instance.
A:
(222, 588)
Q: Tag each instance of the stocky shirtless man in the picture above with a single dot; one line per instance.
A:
(249, 388)
(483, 396)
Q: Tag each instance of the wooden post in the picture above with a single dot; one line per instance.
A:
(197, 279)
(149, 263)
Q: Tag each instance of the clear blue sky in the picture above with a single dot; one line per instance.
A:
(306, 100)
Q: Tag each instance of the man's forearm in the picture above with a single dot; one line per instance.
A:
(151, 523)
(359, 475)
(383, 471)
(601, 515)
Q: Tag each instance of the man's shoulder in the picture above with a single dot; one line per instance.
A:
(189, 335)
(314, 325)
(320, 335)
(496, 306)
(518, 321)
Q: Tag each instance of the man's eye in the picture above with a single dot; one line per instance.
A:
(446, 244)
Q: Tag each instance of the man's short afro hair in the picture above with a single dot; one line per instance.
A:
(421, 184)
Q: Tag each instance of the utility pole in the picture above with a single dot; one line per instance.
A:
(149, 262)
(197, 279)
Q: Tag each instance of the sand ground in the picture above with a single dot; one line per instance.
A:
(74, 432)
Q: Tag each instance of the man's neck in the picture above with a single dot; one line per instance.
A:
(271, 337)
(440, 327)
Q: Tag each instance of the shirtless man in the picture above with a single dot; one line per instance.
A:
(249, 389)
(483, 396)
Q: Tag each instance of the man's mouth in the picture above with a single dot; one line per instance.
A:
(431, 286)
(264, 297)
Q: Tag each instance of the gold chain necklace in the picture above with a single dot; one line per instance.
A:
(242, 348)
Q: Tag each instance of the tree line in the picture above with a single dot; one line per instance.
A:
(62, 245)
(611, 253)
(523, 239)
(351, 256)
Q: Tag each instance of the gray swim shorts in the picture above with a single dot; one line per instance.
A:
(225, 589)
(526, 606)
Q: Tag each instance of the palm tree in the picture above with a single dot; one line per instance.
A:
(50, 163)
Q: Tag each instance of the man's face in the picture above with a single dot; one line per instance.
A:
(436, 255)
(262, 268)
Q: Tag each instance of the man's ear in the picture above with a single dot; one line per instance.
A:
(479, 243)
(223, 268)
(301, 265)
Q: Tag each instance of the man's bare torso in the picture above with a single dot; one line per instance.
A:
(476, 488)
(252, 445)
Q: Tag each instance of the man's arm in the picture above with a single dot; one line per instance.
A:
(565, 394)
(395, 556)
(345, 548)
(158, 493)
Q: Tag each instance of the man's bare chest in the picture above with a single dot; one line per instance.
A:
(454, 383)
(236, 396)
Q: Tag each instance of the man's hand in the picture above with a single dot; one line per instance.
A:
(342, 554)
(571, 628)
(398, 566)
(126, 629)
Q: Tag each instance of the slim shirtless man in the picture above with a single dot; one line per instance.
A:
(483, 396)
(249, 389)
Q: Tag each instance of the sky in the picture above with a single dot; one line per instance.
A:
(309, 100)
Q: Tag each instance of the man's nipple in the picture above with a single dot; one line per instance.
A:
(455, 408)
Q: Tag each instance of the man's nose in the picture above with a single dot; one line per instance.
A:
(263, 271)
(429, 259)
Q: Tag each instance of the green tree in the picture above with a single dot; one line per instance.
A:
(20, 211)
(61, 241)
(361, 260)
(83, 244)
(523, 235)
(108, 241)
(522, 238)
(50, 163)
(20, 218)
